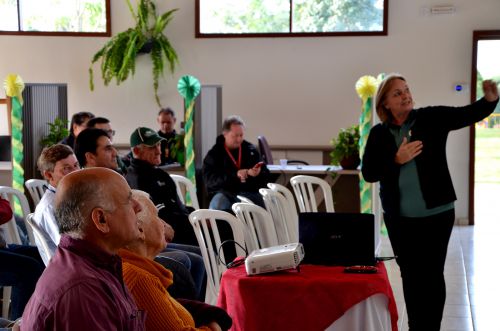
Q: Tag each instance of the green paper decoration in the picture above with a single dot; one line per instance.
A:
(14, 87)
(366, 87)
(189, 87)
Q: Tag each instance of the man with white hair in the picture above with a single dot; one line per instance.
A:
(144, 174)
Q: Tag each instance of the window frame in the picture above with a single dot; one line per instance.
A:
(107, 33)
(477, 36)
(383, 32)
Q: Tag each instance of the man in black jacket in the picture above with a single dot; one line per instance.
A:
(144, 174)
(166, 120)
(233, 167)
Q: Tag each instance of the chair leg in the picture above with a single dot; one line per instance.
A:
(6, 301)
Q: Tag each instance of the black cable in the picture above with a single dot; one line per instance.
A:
(235, 263)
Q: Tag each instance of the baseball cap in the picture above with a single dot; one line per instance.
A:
(144, 136)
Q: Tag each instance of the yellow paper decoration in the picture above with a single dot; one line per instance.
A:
(14, 87)
(366, 87)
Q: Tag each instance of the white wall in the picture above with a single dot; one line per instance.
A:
(297, 91)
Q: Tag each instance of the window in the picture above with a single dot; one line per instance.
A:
(55, 17)
(290, 18)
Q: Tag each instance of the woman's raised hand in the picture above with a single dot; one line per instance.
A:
(490, 90)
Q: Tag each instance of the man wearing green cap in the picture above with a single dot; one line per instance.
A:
(144, 174)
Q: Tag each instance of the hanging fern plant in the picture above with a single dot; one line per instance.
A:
(118, 55)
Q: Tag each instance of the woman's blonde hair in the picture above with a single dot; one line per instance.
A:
(383, 113)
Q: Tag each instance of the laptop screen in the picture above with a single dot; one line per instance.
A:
(5, 151)
(338, 238)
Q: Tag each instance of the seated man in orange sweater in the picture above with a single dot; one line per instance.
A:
(148, 281)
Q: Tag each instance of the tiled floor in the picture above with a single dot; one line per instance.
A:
(472, 273)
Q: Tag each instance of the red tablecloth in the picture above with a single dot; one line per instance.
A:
(311, 299)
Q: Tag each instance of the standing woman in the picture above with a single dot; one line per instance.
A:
(407, 154)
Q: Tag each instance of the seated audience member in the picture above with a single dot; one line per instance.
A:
(54, 163)
(144, 174)
(78, 124)
(20, 266)
(166, 120)
(82, 287)
(104, 124)
(232, 168)
(93, 148)
(148, 281)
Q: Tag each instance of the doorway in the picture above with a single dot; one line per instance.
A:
(484, 172)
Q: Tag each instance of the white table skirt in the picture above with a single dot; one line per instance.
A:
(371, 314)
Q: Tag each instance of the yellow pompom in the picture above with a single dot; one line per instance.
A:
(366, 87)
(14, 87)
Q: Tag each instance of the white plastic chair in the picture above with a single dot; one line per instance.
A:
(305, 193)
(184, 185)
(259, 224)
(207, 233)
(40, 239)
(37, 188)
(287, 227)
(288, 197)
(10, 194)
(12, 234)
(245, 199)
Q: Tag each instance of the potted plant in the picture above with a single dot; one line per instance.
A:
(118, 55)
(57, 132)
(346, 148)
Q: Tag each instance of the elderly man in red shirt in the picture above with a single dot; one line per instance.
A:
(82, 287)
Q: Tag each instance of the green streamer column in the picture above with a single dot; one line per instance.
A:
(14, 87)
(366, 87)
(189, 88)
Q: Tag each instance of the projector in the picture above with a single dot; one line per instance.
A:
(274, 258)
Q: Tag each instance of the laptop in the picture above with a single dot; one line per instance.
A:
(343, 239)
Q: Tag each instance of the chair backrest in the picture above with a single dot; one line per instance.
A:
(288, 196)
(287, 227)
(265, 150)
(245, 199)
(184, 185)
(259, 224)
(41, 238)
(37, 188)
(11, 194)
(266, 154)
(205, 225)
(306, 188)
(292, 216)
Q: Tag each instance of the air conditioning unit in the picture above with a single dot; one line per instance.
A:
(443, 10)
